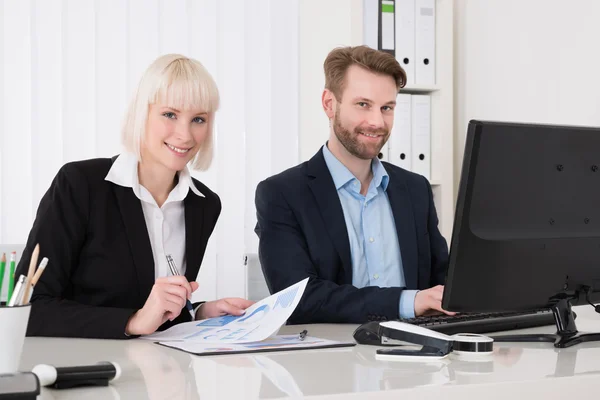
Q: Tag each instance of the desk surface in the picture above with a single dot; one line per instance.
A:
(151, 371)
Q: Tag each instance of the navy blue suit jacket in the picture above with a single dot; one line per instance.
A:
(303, 234)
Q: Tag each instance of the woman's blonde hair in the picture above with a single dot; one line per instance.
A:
(177, 82)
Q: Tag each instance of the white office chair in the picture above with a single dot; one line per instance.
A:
(8, 248)
(256, 285)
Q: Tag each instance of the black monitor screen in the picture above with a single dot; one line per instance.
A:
(527, 224)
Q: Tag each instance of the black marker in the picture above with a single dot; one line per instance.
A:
(86, 375)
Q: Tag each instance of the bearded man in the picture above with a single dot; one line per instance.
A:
(364, 231)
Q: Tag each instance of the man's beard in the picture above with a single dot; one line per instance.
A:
(352, 143)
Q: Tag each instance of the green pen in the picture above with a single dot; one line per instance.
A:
(11, 273)
(2, 267)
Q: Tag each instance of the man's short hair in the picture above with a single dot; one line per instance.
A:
(340, 59)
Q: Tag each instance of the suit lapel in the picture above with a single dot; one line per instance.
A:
(137, 234)
(194, 227)
(327, 198)
(405, 227)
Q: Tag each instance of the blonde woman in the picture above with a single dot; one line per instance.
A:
(107, 224)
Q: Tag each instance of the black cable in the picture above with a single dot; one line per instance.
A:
(587, 298)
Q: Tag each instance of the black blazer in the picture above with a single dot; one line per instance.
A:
(303, 234)
(101, 267)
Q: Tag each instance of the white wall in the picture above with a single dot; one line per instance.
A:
(324, 25)
(67, 68)
(526, 61)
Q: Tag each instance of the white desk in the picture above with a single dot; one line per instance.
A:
(150, 371)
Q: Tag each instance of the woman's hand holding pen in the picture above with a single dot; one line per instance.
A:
(166, 300)
(226, 306)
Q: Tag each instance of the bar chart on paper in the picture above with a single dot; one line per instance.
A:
(286, 299)
(259, 322)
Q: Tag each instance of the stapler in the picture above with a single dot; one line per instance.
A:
(434, 345)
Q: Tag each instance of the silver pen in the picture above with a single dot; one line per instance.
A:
(175, 272)
(172, 266)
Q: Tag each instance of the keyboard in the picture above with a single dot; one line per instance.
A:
(484, 322)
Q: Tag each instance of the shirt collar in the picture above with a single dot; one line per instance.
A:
(341, 174)
(124, 172)
(380, 175)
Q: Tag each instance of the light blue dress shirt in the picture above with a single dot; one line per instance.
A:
(374, 247)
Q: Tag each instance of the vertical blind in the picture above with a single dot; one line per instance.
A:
(68, 68)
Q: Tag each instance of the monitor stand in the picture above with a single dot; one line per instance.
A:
(566, 332)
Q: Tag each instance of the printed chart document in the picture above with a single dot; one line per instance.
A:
(276, 343)
(261, 321)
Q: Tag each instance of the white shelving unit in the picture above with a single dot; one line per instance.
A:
(442, 118)
(326, 24)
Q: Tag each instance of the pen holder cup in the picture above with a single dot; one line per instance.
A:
(13, 328)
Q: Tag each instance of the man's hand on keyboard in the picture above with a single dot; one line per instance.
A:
(429, 301)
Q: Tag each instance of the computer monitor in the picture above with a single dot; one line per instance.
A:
(527, 224)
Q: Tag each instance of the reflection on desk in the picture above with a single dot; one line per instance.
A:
(151, 371)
